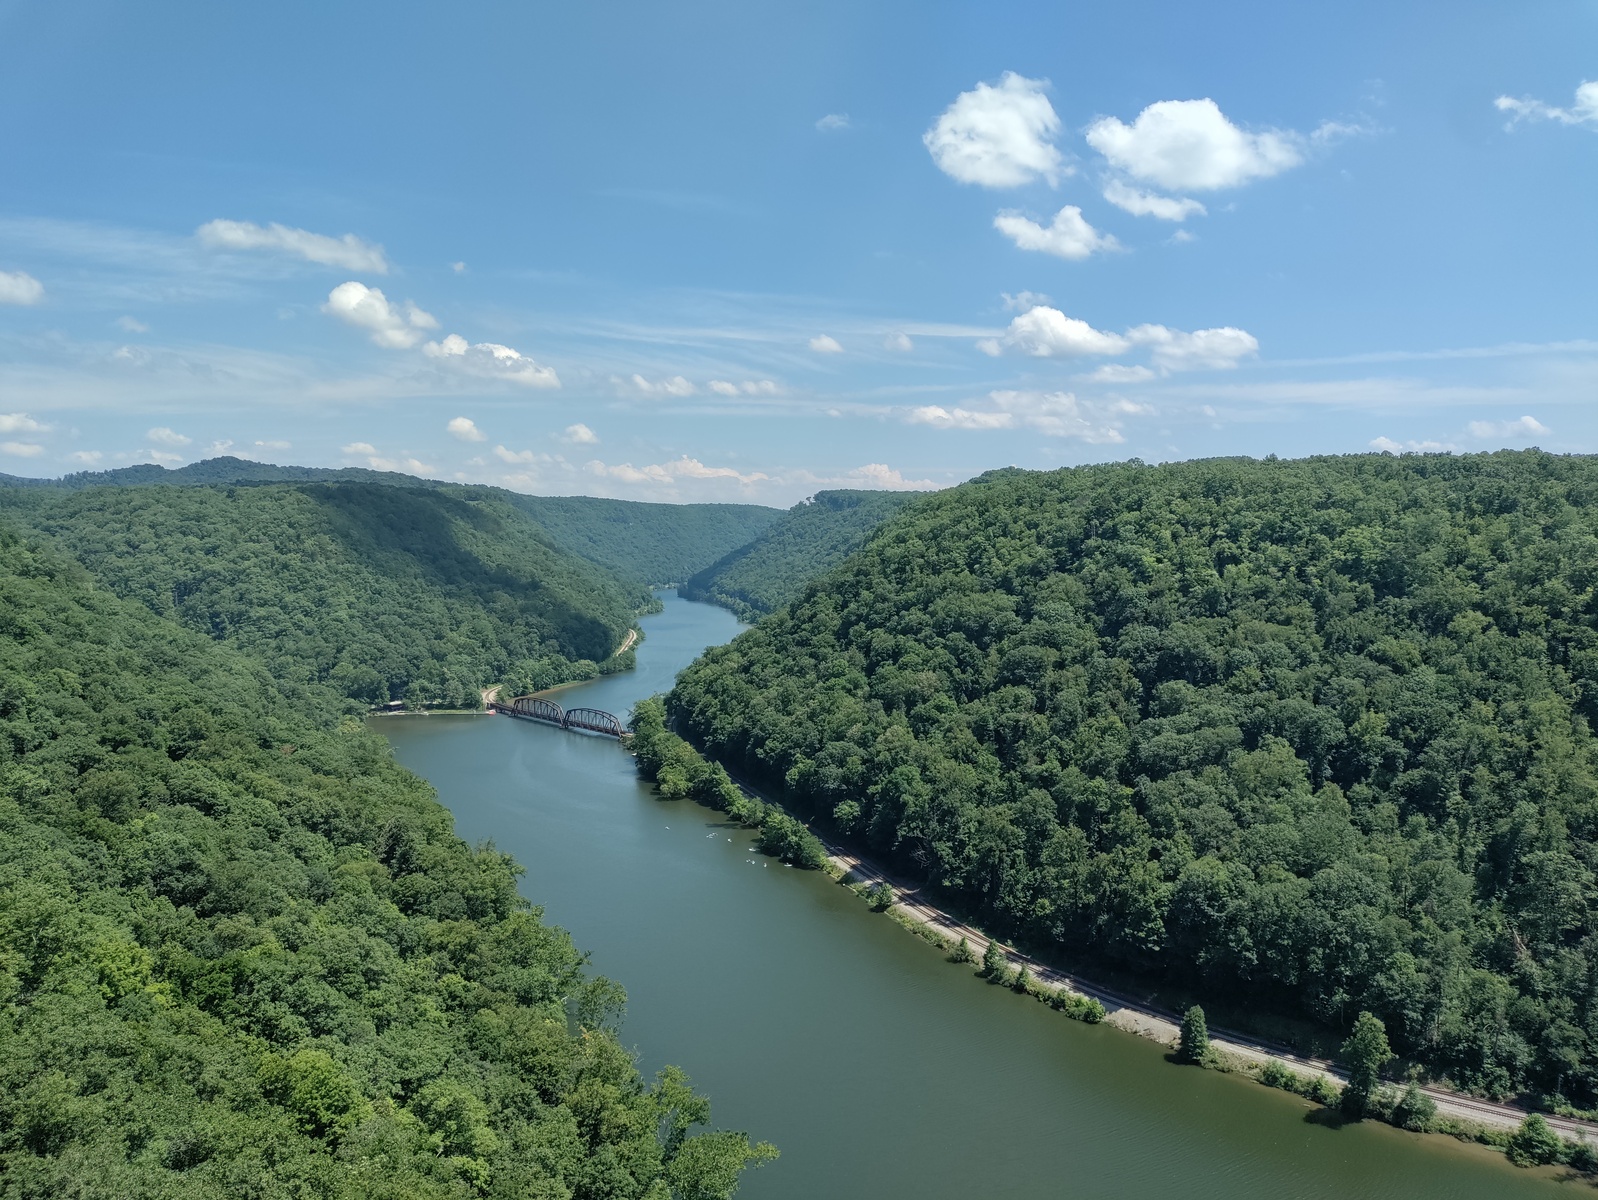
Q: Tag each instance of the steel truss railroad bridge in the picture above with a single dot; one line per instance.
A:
(540, 708)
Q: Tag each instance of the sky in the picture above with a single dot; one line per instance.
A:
(749, 251)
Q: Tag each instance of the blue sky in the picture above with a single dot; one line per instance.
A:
(694, 251)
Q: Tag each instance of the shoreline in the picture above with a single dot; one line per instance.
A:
(938, 927)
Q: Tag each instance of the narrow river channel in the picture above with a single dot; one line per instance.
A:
(880, 1071)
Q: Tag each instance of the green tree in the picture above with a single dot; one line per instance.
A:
(995, 964)
(1193, 1045)
(881, 895)
(962, 953)
(1415, 1109)
(1364, 1054)
(1535, 1143)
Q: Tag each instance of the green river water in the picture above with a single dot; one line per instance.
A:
(879, 1070)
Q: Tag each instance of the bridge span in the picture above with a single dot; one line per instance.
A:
(541, 708)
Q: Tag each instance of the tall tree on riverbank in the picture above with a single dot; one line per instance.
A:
(1193, 1045)
(1364, 1054)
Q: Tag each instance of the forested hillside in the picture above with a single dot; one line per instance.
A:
(647, 543)
(636, 542)
(384, 592)
(243, 954)
(808, 540)
(1312, 735)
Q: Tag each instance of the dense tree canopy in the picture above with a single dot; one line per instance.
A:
(808, 540)
(1315, 735)
(653, 544)
(242, 953)
(384, 592)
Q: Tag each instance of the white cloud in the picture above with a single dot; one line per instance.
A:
(1147, 204)
(670, 473)
(1045, 332)
(132, 325)
(825, 344)
(87, 457)
(1119, 373)
(348, 252)
(367, 308)
(1583, 112)
(1189, 145)
(18, 287)
(1388, 446)
(22, 449)
(358, 449)
(519, 456)
(580, 435)
(378, 462)
(490, 360)
(1067, 236)
(221, 446)
(998, 137)
(20, 423)
(164, 456)
(749, 387)
(885, 478)
(1022, 301)
(677, 385)
(274, 445)
(1525, 427)
(1181, 237)
(898, 341)
(465, 429)
(1203, 349)
(833, 121)
(163, 436)
(959, 418)
(1053, 414)
(458, 267)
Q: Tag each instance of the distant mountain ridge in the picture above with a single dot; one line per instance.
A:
(656, 544)
(805, 542)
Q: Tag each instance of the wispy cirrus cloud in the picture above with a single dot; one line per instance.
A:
(346, 251)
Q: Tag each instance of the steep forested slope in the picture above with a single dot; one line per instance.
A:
(636, 542)
(386, 592)
(808, 540)
(1311, 734)
(243, 954)
(649, 543)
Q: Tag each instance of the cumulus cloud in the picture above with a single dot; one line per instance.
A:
(367, 308)
(379, 462)
(274, 445)
(519, 456)
(833, 121)
(87, 457)
(1203, 349)
(1388, 446)
(1189, 145)
(22, 449)
(749, 387)
(18, 287)
(162, 436)
(677, 385)
(458, 267)
(998, 136)
(898, 341)
(348, 252)
(220, 446)
(358, 449)
(20, 423)
(1021, 301)
(580, 435)
(671, 472)
(885, 478)
(465, 429)
(1148, 204)
(1584, 111)
(825, 344)
(1045, 332)
(1053, 414)
(132, 325)
(490, 360)
(1119, 373)
(1067, 236)
(1525, 427)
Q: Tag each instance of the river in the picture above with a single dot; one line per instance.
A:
(879, 1070)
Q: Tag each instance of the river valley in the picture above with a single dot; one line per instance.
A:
(877, 1068)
